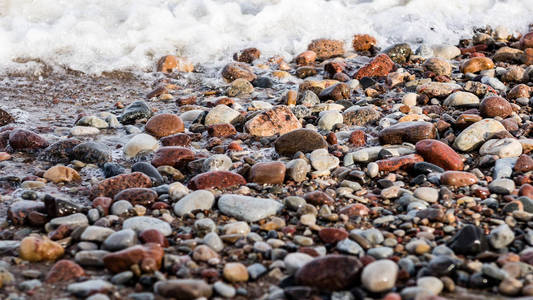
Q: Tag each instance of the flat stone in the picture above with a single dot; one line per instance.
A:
(248, 208)
(197, 200)
(303, 140)
(379, 276)
(142, 223)
(476, 134)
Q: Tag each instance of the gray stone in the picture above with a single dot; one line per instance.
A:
(379, 276)
(224, 290)
(120, 240)
(380, 252)
(197, 200)
(96, 233)
(248, 208)
(256, 270)
(502, 186)
(501, 236)
(91, 258)
(85, 288)
(427, 194)
(142, 223)
(74, 220)
(120, 207)
(350, 247)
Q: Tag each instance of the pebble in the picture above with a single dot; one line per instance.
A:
(197, 200)
(235, 272)
(502, 186)
(188, 289)
(248, 208)
(379, 276)
(35, 248)
(299, 140)
(140, 143)
(476, 134)
(120, 240)
(278, 120)
(330, 272)
(507, 147)
(142, 223)
(501, 236)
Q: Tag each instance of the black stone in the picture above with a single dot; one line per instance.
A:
(150, 171)
(135, 111)
(56, 207)
(263, 82)
(385, 183)
(418, 180)
(113, 169)
(480, 281)
(469, 240)
(92, 153)
(384, 154)
(298, 292)
(399, 53)
(367, 82)
(426, 168)
(443, 265)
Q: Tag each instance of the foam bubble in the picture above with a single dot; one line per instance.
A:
(96, 36)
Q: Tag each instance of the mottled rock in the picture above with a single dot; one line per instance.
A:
(111, 186)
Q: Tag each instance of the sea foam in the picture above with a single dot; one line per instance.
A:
(95, 36)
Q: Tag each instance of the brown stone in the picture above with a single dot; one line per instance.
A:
(180, 139)
(153, 236)
(216, 179)
(168, 63)
(410, 132)
(36, 248)
(22, 139)
(523, 164)
(64, 270)
(396, 163)
(355, 210)
(268, 172)
(438, 66)
(510, 124)
(5, 118)
(318, 198)
(519, 91)
(332, 235)
(247, 55)
(164, 125)
(335, 92)
(141, 196)
(221, 130)
(278, 120)
(305, 71)
(60, 173)
(111, 186)
(172, 156)
(357, 138)
(104, 203)
(305, 58)
(477, 64)
(183, 289)
(304, 140)
(380, 66)
(237, 70)
(204, 253)
(19, 211)
(526, 190)
(149, 255)
(458, 178)
(330, 272)
(363, 42)
(325, 48)
(527, 40)
(334, 67)
(495, 106)
(235, 272)
(440, 154)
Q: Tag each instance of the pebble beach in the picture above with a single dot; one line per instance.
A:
(347, 171)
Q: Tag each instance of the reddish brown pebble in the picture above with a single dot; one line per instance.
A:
(332, 235)
(237, 70)
(111, 186)
(523, 164)
(141, 196)
(22, 139)
(330, 272)
(380, 66)
(122, 260)
(180, 139)
(355, 210)
(395, 163)
(363, 42)
(527, 40)
(164, 125)
(410, 132)
(495, 106)
(268, 172)
(234, 146)
(458, 178)
(216, 179)
(172, 156)
(305, 58)
(221, 130)
(318, 198)
(104, 203)
(357, 138)
(247, 55)
(526, 190)
(325, 48)
(440, 154)
(153, 236)
(64, 270)
(331, 138)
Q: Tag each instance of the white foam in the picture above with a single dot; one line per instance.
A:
(94, 36)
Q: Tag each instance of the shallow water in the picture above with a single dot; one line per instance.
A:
(96, 36)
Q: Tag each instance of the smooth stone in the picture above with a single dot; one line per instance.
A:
(86, 288)
(91, 258)
(299, 140)
(92, 153)
(183, 289)
(476, 134)
(501, 236)
(92, 121)
(120, 207)
(248, 208)
(504, 148)
(297, 169)
(328, 119)
(379, 276)
(135, 111)
(96, 233)
(120, 240)
(142, 223)
(460, 98)
(217, 162)
(84, 130)
(502, 186)
(321, 160)
(149, 170)
(73, 220)
(469, 240)
(294, 261)
(430, 283)
(197, 200)
(140, 143)
(427, 194)
(220, 114)
(330, 272)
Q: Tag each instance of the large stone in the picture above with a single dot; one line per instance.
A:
(458, 178)
(141, 196)
(92, 153)
(278, 120)
(59, 174)
(248, 208)
(183, 289)
(216, 179)
(438, 66)
(141, 143)
(304, 140)
(235, 70)
(268, 172)
(36, 248)
(470, 240)
(142, 223)
(148, 257)
(326, 48)
(380, 66)
(477, 64)
(24, 140)
(164, 124)
(330, 272)
(507, 147)
(476, 134)
(437, 89)
(135, 111)
(111, 186)
(19, 211)
(410, 132)
(440, 154)
(495, 106)
(64, 270)
(380, 276)
(197, 200)
(172, 156)
(460, 98)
